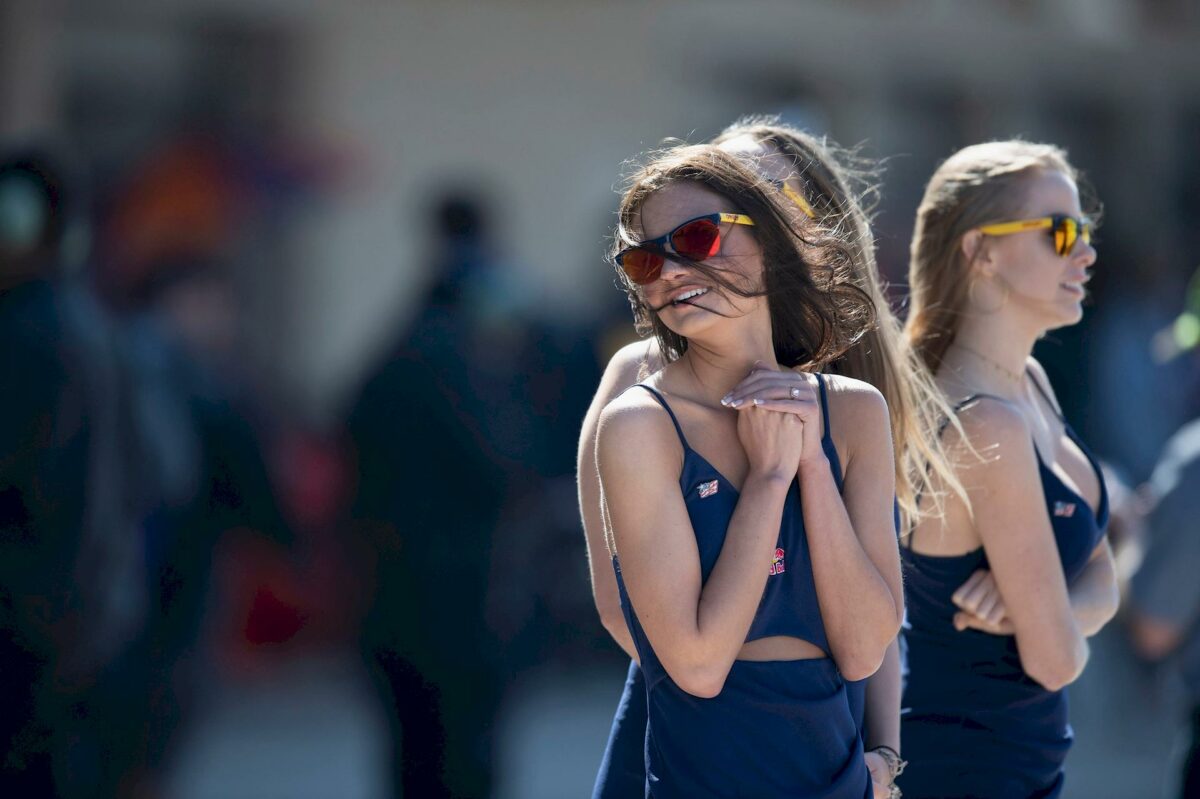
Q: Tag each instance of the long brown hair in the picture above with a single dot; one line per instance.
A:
(817, 311)
(841, 186)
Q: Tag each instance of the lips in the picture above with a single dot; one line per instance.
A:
(1078, 284)
(686, 294)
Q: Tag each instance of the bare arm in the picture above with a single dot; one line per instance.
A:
(1019, 543)
(881, 720)
(696, 627)
(621, 372)
(1094, 597)
(851, 534)
(852, 537)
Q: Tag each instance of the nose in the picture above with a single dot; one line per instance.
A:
(1083, 253)
(673, 269)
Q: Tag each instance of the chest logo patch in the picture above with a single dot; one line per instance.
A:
(708, 489)
(777, 563)
(1064, 509)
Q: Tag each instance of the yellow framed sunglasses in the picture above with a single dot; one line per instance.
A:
(1064, 229)
(795, 196)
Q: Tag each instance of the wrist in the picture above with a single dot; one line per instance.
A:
(891, 759)
(770, 478)
(815, 465)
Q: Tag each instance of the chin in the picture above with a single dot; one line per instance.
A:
(686, 326)
(1068, 314)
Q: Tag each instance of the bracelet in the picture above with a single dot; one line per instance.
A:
(894, 762)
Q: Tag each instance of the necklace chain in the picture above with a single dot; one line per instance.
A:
(1016, 377)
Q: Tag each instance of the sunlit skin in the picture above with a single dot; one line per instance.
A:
(883, 688)
(740, 258)
(1023, 290)
(1046, 290)
(699, 629)
(717, 325)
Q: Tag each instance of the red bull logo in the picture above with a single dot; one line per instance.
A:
(777, 563)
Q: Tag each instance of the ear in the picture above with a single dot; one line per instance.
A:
(974, 248)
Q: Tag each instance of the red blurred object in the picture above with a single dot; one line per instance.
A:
(271, 620)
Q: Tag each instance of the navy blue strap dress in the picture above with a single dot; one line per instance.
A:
(778, 728)
(973, 723)
(623, 767)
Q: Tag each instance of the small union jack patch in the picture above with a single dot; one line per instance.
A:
(708, 489)
(1064, 509)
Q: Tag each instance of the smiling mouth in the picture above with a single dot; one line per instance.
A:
(688, 295)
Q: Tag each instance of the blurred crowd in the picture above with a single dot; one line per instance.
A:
(168, 520)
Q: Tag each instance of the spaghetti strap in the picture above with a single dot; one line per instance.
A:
(835, 462)
(663, 402)
(825, 435)
(1045, 395)
(958, 406)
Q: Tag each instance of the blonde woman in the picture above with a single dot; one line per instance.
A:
(1004, 588)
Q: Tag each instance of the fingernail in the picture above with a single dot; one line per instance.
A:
(738, 403)
(757, 401)
(725, 399)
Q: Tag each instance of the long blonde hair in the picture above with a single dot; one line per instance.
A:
(841, 188)
(978, 184)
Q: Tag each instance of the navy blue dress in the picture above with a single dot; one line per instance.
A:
(778, 728)
(623, 768)
(974, 724)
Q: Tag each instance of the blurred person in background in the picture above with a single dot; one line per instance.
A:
(1003, 589)
(738, 281)
(231, 543)
(824, 184)
(1164, 612)
(429, 486)
(462, 443)
(76, 591)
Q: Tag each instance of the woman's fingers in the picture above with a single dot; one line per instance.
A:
(986, 605)
(770, 384)
(965, 620)
(998, 613)
(971, 591)
(800, 408)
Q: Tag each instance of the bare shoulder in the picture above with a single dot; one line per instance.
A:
(630, 362)
(992, 416)
(998, 433)
(852, 392)
(855, 403)
(858, 417)
(635, 419)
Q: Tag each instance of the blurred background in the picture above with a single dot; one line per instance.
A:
(302, 304)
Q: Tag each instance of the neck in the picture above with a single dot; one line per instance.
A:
(989, 354)
(717, 368)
